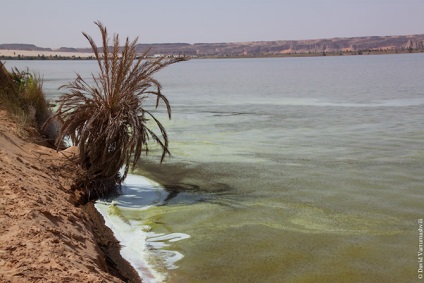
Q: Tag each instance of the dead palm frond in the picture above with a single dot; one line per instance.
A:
(107, 120)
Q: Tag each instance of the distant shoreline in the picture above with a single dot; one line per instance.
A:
(304, 55)
(365, 45)
(52, 55)
(14, 54)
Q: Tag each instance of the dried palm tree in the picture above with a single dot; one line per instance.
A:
(107, 120)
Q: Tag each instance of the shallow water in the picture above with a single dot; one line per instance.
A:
(146, 250)
(288, 170)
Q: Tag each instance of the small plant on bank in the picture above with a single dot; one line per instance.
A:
(22, 96)
(108, 120)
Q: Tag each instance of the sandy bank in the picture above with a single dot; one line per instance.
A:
(44, 236)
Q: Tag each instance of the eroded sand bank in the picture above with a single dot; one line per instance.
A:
(44, 237)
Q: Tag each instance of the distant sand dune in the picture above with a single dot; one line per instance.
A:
(35, 53)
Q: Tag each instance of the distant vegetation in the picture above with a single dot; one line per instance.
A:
(43, 57)
(108, 120)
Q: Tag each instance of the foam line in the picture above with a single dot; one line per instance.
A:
(137, 241)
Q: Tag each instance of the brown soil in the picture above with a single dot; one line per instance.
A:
(44, 237)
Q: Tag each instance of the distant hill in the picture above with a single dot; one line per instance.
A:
(354, 44)
(264, 48)
(20, 46)
(68, 49)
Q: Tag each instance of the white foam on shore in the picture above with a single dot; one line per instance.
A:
(139, 245)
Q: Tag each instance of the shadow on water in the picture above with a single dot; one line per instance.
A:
(187, 194)
(187, 184)
(142, 193)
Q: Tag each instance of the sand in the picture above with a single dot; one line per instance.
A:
(44, 236)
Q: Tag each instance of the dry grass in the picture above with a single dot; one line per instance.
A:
(107, 120)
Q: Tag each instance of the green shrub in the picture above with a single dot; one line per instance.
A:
(10, 98)
(21, 94)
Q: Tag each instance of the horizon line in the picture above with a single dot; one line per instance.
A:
(227, 42)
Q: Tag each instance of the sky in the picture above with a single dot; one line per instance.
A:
(59, 23)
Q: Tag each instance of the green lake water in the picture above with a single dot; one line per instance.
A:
(287, 170)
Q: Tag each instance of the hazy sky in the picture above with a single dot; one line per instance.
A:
(58, 23)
